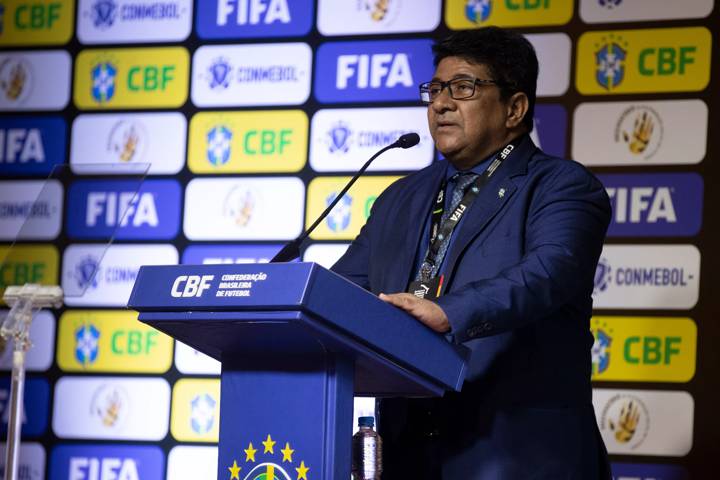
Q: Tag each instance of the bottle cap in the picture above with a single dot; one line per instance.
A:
(366, 421)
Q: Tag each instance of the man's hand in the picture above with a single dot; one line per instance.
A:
(426, 311)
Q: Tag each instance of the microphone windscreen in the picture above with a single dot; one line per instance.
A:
(408, 140)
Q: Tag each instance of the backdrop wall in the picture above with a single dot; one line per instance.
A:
(251, 115)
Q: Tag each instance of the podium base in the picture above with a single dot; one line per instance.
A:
(287, 417)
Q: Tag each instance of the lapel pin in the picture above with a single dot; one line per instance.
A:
(501, 193)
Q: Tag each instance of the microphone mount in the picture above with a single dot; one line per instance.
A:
(291, 250)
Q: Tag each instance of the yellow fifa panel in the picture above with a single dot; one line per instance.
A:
(644, 61)
(248, 142)
(37, 22)
(350, 214)
(111, 341)
(132, 78)
(464, 14)
(195, 415)
(23, 264)
(644, 349)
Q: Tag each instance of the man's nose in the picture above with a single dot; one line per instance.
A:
(443, 101)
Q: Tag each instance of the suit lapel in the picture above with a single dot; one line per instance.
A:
(493, 197)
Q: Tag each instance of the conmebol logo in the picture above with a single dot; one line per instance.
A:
(372, 70)
(95, 277)
(32, 461)
(30, 209)
(131, 21)
(647, 277)
(263, 74)
(343, 139)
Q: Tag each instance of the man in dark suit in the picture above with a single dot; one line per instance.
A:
(509, 237)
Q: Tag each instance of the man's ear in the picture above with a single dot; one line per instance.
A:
(517, 107)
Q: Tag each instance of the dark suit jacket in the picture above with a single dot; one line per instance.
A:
(519, 279)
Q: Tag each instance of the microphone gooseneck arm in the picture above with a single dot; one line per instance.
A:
(292, 250)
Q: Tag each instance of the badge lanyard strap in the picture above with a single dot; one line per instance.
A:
(446, 228)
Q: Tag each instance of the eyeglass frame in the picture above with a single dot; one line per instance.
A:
(444, 85)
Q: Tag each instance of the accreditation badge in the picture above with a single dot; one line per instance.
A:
(429, 290)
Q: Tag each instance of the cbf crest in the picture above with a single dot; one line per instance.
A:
(202, 413)
(274, 463)
(219, 140)
(339, 218)
(600, 352)
(103, 81)
(87, 339)
(478, 11)
(610, 62)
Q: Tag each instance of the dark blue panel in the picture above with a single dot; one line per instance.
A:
(655, 204)
(550, 123)
(372, 71)
(96, 209)
(213, 254)
(245, 19)
(36, 404)
(91, 462)
(31, 145)
(304, 402)
(646, 471)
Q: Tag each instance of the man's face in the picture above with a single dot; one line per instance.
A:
(466, 131)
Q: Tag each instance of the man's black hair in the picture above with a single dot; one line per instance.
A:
(508, 56)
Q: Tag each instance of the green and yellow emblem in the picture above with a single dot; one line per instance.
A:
(269, 465)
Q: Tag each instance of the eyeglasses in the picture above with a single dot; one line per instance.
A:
(459, 88)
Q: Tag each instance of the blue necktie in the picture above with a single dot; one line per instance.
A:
(462, 182)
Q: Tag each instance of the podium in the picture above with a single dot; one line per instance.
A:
(296, 342)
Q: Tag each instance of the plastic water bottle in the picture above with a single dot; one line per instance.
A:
(366, 451)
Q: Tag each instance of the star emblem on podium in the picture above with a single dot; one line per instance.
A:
(271, 464)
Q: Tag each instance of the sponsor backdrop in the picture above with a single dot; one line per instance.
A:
(251, 115)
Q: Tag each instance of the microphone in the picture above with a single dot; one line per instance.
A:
(291, 250)
(408, 140)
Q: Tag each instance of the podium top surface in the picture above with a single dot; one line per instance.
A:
(295, 309)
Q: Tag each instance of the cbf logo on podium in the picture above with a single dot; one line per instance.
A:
(191, 285)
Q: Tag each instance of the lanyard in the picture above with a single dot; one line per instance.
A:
(439, 230)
